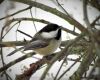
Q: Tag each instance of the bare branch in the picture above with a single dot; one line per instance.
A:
(94, 22)
(77, 60)
(54, 11)
(24, 33)
(87, 59)
(16, 61)
(16, 12)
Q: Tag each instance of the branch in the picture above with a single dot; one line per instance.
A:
(16, 12)
(2, 57)
(16, 61)
(86, 18)
(25, 33)
(1, 1)
(94, 22)
(37, 20)
(87, 59)
(13, 43)
(93, 36)
(95, 3)
(54, 11)
(77, 60)
(34, 67)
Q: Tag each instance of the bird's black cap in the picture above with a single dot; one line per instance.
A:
(50, 27)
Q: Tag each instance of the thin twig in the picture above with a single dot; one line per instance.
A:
(16, 13)
(9, 30)
(7, 24)
(62, 7)
(94, 22)
(77, 60)
(90, 73)
(1, 52)
(5, 67)
(33, 21)
(24, 33)
(17, 29)
(87, 59)
(60, 69)
(86, 17)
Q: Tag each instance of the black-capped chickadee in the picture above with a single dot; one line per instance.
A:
(46, 41)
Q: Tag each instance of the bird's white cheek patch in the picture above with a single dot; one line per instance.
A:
(49, 34)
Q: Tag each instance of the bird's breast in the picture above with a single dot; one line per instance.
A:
(53, 45)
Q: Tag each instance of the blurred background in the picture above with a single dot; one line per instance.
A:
(75, 10)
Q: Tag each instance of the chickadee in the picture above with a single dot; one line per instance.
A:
(46, 41)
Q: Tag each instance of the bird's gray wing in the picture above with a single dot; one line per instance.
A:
(36, 45)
